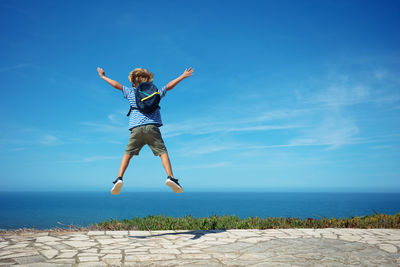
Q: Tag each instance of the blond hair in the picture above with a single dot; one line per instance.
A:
(139, 75)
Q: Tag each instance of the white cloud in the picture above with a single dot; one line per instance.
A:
(118, 118)
(341, 95)
(14, 67)
(207, 149)
(104, 127)
(50, 140)
(380, 74)
(281, 114)
(99, 158)
(203, 166)
(89, 159)
(333, 131)
(209, 127)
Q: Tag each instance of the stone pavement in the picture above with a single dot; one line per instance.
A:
(274, 247)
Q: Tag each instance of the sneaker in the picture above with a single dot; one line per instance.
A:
(117, 186)
(173, 183)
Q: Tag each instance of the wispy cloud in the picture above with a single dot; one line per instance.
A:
(334, 131)
(208, 127)
(99, 158)
(207, 149)
(89, 159)
(341, 95)
(104, 127)
(332, 145)
(50, 140)
(14, 67)
(113, 123)
(280, 114)
(203, 166)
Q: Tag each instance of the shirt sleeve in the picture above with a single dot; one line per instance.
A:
(162, 91)
(126, 91)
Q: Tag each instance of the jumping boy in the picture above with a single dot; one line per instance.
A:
(144, 126)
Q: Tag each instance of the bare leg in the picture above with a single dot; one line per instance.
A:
(124, 164)
(167, 164)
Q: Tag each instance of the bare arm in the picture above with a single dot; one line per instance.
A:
(186, 73)
(113, 83)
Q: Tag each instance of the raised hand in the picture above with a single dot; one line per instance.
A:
(101, 72)
(187, 72)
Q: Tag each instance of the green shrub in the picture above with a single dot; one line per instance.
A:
(224, 222)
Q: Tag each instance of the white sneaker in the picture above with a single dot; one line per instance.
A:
(117, 186)
(173, 183)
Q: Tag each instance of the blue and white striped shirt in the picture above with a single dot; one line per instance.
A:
(137, 118)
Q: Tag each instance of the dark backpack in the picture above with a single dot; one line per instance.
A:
(147, 98)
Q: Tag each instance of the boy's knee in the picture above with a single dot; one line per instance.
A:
(164, 155)
(129, 156)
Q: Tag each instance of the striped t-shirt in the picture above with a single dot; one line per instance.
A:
(137, 118)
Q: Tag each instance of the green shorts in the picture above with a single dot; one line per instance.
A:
(146, 135)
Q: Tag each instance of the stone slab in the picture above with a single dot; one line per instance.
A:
(271, 247)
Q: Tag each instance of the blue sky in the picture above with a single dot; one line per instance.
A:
(286, 95)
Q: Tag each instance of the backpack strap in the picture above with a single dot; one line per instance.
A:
(131, 108)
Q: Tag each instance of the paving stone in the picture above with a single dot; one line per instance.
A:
(65, 261)
(106, 241)
(7, 263)
(273, 264)
(90, 250)
(118, 233)
(110, 251)
(165, 251)
(61, 246)
(396, 243)
(113, 262)
(91, 264)
(3, 245)
(137, 249)
(46, 264)
(333, 236)
(90, 254)
(253, 240)
(171, 246)
(97, 233)
(194, 256)
(19, 245)
(271, 247)
(79, 238)
(388, 247)
(139, 233)
(244, 233)
(67, 255)
(3, 253)
(44, 239)
(201, 263)
(112, 256)
(89, 259)
(149, 257)
(143, 264)
(69, 250)
(224, 256)
(349, 238)
(29, 259)
(372, 242)
(20, 254)
(49, 253)
(190, 250)
(79, 244)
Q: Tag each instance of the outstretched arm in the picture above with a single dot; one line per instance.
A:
(113, 83)
(186, 73)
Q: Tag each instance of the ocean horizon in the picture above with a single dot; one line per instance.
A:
(44, 210)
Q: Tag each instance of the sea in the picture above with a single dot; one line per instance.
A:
(45, 210)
